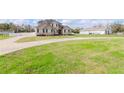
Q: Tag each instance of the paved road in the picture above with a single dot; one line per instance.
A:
(9, 45)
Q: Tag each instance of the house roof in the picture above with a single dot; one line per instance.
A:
(46, 26)
(52, 21)
(66, 27)
(48, 21)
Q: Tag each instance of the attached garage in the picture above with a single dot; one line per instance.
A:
(96, 30)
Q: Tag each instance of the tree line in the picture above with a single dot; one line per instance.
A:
(16, 28)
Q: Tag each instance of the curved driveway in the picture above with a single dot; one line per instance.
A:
(9, 45)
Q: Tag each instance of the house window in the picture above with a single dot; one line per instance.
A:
(52, 25)
(51, 30)
(46, 30)
(43, 30)
(64, 31)
(37, 30)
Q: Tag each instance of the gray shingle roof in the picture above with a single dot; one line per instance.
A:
(48, 24)
(66, 27)
(48, 21)
(45, 26)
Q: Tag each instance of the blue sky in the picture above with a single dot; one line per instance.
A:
(70, 22)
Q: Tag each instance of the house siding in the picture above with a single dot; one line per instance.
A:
(53, 28)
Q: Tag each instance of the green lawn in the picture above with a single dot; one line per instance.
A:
(4, 37)
(83, 56)
(38, 38)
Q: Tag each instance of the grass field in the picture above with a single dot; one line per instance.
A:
(83, 56)
(38, 38)
(4, 37)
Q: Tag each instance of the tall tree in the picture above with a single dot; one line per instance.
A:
(117, 27)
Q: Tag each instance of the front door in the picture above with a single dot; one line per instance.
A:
(60, 32)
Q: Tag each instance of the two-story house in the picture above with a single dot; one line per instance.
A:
(52, 27)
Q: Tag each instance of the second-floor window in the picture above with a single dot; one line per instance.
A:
(52, 25)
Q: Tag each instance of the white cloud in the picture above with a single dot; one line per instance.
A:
(15, 21)
(21, 21)
(84, 21)
(34, 22)
(92, 22)
(3, 20)
(66, 21)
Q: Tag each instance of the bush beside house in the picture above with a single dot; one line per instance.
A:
(76, 31)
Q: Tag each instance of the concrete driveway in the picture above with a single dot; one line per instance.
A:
(9, 45)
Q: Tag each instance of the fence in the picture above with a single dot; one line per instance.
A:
(6, 33)
(10, 33)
